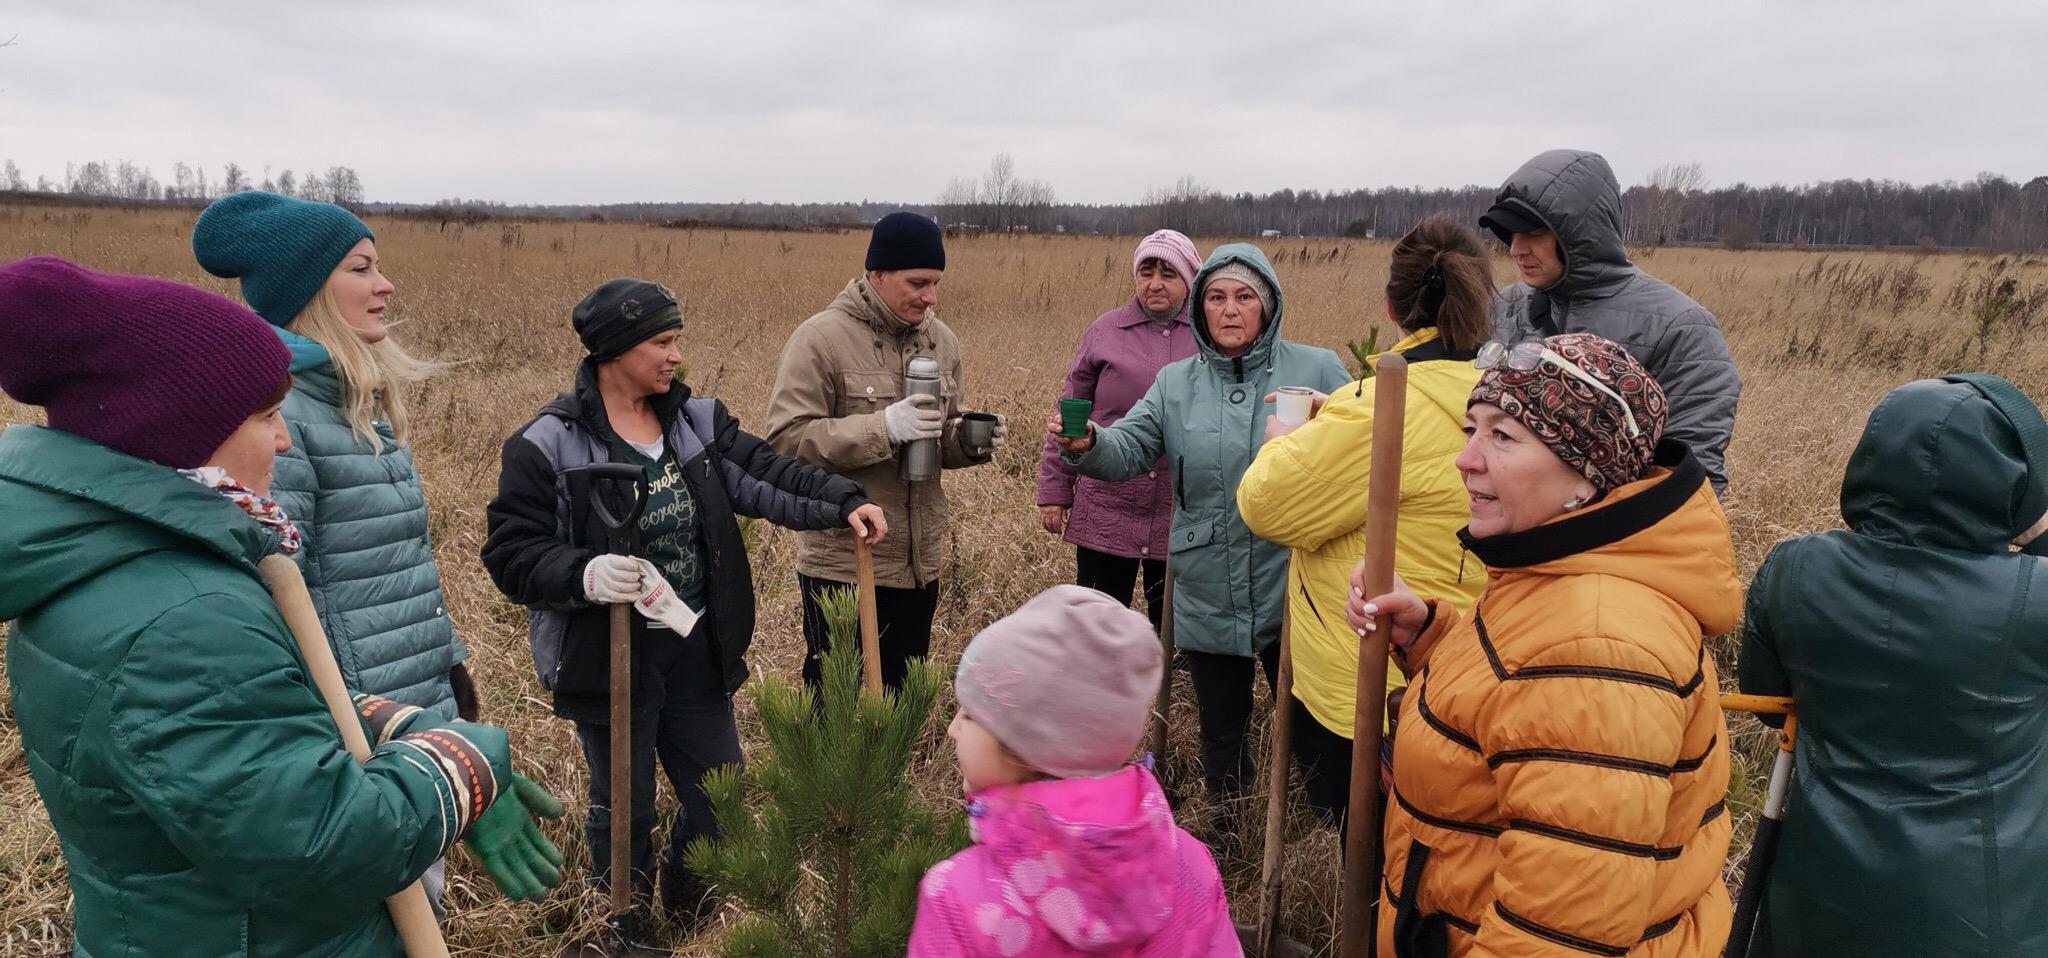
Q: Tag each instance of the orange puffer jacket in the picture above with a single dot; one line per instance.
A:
(1560, 767)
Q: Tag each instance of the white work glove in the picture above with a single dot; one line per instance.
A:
(912, 418)
(659, 604)
(1001, 434)
(611, 579)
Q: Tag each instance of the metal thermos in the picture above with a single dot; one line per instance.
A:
(920, 457)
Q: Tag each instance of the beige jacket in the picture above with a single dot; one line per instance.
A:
(839, 370)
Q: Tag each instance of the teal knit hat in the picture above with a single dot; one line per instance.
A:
(282, 249)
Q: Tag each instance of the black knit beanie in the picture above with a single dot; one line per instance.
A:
(905, 240)
(622, 314)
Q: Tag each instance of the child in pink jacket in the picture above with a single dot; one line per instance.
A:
(1075, 852)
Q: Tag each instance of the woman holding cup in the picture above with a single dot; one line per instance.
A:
(1307, 490)
(1205, 416)
(1119, 528)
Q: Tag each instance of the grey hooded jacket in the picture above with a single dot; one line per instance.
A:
(1574, 192)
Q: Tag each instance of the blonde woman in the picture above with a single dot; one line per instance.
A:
(348, 480)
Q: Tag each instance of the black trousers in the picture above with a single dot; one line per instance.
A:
(1223, 697)
(1324, 758)
(1116, 576)
(692, 732)
(903, 616)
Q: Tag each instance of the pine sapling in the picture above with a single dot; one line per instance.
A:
(821, 841)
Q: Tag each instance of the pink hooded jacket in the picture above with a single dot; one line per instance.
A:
(1075, 866)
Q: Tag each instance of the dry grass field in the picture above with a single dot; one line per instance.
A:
(1819, 337)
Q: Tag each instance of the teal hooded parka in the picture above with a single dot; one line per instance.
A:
(1206, 416)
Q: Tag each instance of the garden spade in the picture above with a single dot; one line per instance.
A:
(622, 535)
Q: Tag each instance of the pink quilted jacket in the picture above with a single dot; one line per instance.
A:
(1077, 866)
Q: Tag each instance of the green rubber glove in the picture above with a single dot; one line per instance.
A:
(508, 842)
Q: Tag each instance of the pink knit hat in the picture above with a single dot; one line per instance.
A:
(1066, 682)
(1174, 249)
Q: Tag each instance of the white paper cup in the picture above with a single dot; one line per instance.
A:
(1291, 404)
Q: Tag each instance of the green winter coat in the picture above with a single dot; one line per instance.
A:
(203, 799)
(1915, 647)
(367, 558)
(1206, 416)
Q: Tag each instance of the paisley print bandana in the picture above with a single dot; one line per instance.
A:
(259, 508)
(1583, 425)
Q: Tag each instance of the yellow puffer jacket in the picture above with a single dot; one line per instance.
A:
(1306, 490)
(1560, 767)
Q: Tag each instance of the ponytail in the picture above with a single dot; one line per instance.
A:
(1441, 276)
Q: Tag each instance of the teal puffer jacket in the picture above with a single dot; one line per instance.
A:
(1206, 416)
(1914, 644)
(367, 558)
(202, 797)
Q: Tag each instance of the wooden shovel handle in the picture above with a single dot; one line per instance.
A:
(417, 929)
(870, 629)
(1272, 873)
(1356, 935)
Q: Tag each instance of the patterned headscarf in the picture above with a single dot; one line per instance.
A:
(1582, 425)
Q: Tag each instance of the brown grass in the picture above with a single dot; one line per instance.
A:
(1819, 338)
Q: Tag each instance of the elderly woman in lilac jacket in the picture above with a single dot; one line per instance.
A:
(1119, 528)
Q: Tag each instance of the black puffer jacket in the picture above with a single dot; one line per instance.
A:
(543, 532)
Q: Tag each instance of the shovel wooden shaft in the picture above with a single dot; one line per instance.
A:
(1383, 504)
(1165, 700)
(1272, 873)
(622, 757)
(870, 628)
(417, 929)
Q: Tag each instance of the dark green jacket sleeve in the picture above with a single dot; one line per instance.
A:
(220, 737)
(1758, 670)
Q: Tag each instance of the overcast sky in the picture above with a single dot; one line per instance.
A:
(817, 100)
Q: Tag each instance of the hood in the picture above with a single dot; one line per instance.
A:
(1262, 348)
(1666, 531)
(1447, 392)
(306, 354)
(1940, 466)
(76, 508)
(1574, 192)
(1101, 850)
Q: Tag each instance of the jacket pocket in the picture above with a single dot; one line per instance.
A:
(1192, 534)
(866, 391)
(1417, 935)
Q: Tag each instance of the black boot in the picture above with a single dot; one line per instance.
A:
(686, 899)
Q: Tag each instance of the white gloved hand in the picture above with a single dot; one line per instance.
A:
(610, 579)
(912, 418)
(1002, 433)
(658, 602)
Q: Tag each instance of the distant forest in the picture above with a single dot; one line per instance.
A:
(1673, 206)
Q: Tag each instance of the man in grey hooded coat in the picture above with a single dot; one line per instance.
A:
(1560, 215)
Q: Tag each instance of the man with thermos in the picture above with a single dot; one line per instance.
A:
(870, 389)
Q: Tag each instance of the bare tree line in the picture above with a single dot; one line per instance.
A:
(1675, 204)
(123, 180)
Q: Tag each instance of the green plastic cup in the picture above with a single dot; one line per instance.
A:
(1074, 417)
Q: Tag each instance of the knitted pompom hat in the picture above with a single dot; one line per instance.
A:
(1066, 682)
(282, 249)
(159, 370)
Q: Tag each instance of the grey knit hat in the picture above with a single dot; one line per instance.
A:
(1066, 682)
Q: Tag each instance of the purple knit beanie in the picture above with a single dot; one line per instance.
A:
(158, 370)
(1172, 248)
(1066, 682)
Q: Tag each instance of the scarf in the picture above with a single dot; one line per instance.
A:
(259, 508)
